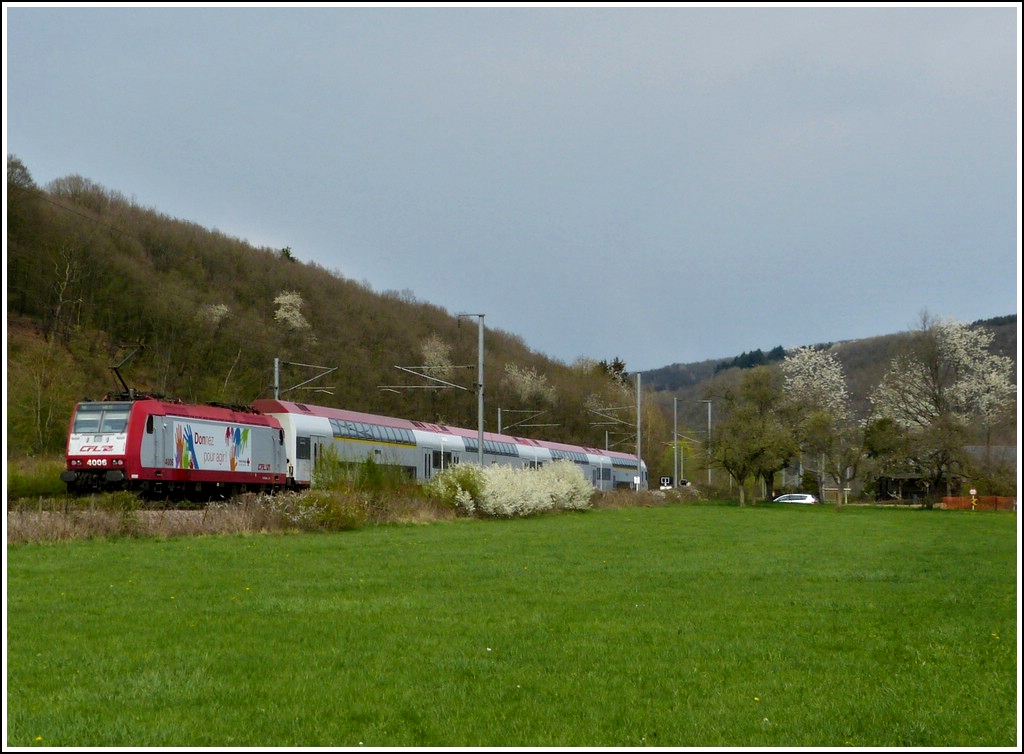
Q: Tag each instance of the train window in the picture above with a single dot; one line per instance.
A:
(493, 447)
(569, 455)
(360, 431)
(280, 437)
(87, 424)
(149, 424)
(378, 432)
(114, 420)
(302, 448)
(87, 418)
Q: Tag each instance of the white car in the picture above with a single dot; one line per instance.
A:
(797, 498)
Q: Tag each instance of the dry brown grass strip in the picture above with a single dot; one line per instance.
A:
(60, 520)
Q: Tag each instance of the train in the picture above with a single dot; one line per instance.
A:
(165, 448)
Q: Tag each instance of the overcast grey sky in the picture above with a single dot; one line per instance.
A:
(659, 184)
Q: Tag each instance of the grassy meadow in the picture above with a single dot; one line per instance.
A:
(678, 626)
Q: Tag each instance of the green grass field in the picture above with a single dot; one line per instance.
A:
(682, 626)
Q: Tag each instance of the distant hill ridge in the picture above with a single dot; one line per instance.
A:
(854, 354)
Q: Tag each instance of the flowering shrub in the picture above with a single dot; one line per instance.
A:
(570, 489)
(505, 491)
(512, 492)
(459, 487)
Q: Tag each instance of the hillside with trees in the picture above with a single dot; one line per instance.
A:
(95, 280)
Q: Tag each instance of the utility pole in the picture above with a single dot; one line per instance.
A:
(709, 441)
(675, 442)
(639, 467)
(479, 387)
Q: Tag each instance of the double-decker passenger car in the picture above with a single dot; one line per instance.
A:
(422, 449)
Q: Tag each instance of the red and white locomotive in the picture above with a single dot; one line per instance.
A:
(163, 448)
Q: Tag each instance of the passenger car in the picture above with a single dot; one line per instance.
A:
(797, 497)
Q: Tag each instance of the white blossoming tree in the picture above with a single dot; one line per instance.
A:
(816, 389)
(931, 395)
(215, 313)
(527, 384)
(289, 314)
(437, 358)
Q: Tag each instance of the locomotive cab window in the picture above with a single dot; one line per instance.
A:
(87, 424)
(114, 420)
(96, 418)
